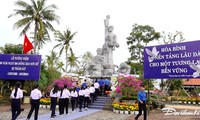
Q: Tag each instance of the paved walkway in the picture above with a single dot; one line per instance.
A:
(70, 116)
(96, 114)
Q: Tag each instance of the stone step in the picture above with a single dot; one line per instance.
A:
(96, 107)
(102, 102)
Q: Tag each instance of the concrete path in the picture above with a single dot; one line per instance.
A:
(71, 115)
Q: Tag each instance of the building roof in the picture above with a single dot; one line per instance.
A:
(193, 81)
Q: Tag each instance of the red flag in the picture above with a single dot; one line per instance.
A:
(27, 45)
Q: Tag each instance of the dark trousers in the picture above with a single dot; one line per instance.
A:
(81, 100)
(66, 104)
(16, 108)
(61, 104)
(34, 106)
(142, 107)
(92, 97)
(86, 101)
(101, 91)
(73, 101)
(76, 102)
(96, 94)
(53, 106)
(106, 88)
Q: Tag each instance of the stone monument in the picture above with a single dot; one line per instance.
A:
(102, 63)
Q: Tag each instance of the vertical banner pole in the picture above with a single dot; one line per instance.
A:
(148, 99)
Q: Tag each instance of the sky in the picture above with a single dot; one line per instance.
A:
(86, 17)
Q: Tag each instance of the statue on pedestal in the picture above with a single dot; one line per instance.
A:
(102, 63)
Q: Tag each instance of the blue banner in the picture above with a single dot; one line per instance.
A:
(180, 60)
(20, 66)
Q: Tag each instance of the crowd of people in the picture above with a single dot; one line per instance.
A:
(80, 96)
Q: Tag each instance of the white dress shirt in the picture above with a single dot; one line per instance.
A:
(96, 85)
(81, 92)
(91, 89)
(74, 94)
(67, 93)
(36, 94)
(87, 93)
(54, 94)
(19, 94)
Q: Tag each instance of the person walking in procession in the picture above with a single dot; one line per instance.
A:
(86, 97)
(96, 87)
(77, 99)
(15, 96)
(81, 98)
(74, 96)
(141, 103)
(67, 94)
(54, 94)
(35, 102)
(92, 93)
(61, 101)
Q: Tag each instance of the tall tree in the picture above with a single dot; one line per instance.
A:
(64, 40)
(54, 66)
(37, 14)
(169, 38)
(53, 61)
(139, 37)
(11, 49)
(72, 61)
(86, 58)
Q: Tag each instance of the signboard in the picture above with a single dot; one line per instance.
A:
(181, 60)
(20, 66)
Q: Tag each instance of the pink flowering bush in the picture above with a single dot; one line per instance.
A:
(66, 80)
(128, 85)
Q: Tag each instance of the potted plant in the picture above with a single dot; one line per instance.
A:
(198, 101)
(193, 100)
(115, 106)
(189, 100)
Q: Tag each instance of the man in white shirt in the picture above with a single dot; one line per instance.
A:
(35, 102)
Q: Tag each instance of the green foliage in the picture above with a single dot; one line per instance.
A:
(170, 38)
(11, 49)
(136, 67)
(64, 40)
(38, 14)
(140, 36)
(124, 97)
(176, 84)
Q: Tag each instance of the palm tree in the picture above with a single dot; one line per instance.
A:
(36, 14)
(72, 60)
(53, 61)
(86, 59)
(64, 40)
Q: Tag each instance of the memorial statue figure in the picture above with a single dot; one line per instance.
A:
(102, 64)
(96, 66)
(106, 23)
(109, 46)
(124, 68)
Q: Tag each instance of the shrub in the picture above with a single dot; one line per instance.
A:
(128, 85)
